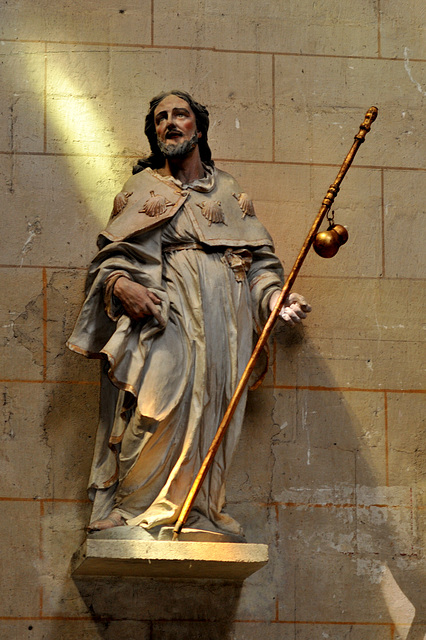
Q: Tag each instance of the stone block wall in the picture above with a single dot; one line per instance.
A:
(330, 471)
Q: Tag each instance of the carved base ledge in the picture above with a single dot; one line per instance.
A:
(179, 559)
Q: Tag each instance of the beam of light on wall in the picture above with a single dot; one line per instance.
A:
(75, 125)
(79, 132)
(399, 606)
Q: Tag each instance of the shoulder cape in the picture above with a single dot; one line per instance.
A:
(155, 200)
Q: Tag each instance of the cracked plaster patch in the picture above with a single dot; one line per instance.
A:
(34, 230)
(27, 331)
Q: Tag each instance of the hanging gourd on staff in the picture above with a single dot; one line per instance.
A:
(327, 243)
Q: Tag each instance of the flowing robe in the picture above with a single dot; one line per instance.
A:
(168, 388)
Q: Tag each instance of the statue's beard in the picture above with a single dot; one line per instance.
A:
(178, 150)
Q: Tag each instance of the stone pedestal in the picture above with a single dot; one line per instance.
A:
(165, 559)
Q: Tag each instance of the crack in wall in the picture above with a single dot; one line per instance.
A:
(50, 476)
(410, 74)
(13, 120)
(8, 431)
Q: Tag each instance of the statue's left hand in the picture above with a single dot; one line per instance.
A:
(294, 309)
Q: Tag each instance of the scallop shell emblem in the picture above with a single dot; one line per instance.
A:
(213, 212)
(246, 204)
(155, 206)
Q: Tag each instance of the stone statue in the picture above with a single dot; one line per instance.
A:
(184, 273)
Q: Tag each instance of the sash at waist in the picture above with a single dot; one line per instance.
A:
(239, 260)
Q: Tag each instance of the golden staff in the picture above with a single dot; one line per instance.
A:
(333, 190)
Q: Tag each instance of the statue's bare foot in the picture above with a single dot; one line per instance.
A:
(113, 520)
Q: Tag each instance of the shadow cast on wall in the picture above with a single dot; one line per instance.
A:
(174, 606)
(351, 541)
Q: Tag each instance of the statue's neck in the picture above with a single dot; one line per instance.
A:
(186, 169)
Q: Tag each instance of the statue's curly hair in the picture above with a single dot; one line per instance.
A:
(157, 160)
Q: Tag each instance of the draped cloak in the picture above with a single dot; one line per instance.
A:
(164, 390)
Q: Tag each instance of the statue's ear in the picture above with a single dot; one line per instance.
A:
(199, 134)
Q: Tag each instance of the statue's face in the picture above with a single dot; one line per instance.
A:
(175, 126)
